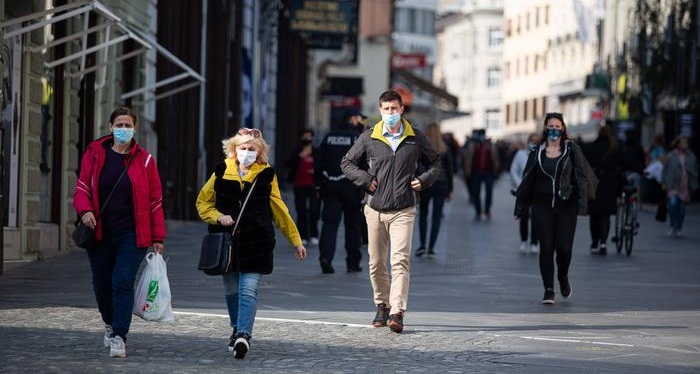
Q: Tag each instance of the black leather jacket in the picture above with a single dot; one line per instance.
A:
(568, 182)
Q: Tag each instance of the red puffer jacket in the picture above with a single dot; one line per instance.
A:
(146, 190)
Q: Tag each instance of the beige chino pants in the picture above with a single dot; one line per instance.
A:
(390, 234)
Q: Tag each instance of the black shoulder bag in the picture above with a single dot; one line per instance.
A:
(216, 255)
(83, 236)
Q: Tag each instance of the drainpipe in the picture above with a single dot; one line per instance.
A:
(202, 162)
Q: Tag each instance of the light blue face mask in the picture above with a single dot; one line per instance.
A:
(123, 135)
(553, 134)
(391, 119)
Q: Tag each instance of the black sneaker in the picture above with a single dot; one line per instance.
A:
(233, 340)
(396, 322)
(565, 288)
(382, 316)
(354, 268)
(420, 251)
(431, 253)
(594, 249)
(548, 296)
(603, 249)
(326, 268)
(241, 345)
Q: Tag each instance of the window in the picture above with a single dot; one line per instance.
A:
(508, 26)
(546, 15)
(535, 113)
(526, 63)
(493, 77)
(525, 117)
(527, 21)
(403, 20)
(515, 115)
(537, 17)
(495, 38)
(493, 119)
(508, 114)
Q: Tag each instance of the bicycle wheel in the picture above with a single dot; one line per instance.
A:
(619, 227)
(630, 223)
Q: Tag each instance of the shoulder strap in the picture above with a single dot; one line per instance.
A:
(104, 205)
(245, 202)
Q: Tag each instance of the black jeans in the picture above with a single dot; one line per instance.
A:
(308, 208)
(438, 194)
(524, 220)
(341, 200)
(599, 225)
(555, 228)
(485, 178)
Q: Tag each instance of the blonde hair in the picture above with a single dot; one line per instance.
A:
(230, 144)
(432, 132)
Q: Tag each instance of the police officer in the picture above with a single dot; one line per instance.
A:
(340, 196)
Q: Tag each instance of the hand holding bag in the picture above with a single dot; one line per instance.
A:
(83, 236)
(216, 255)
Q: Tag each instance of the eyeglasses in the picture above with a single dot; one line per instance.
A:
(252, 132)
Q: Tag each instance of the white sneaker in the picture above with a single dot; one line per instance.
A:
(108, 335)
(534, 249)
(523, 247)
(117, 347)
(313, 241)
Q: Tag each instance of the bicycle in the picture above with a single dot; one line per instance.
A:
(626, 223)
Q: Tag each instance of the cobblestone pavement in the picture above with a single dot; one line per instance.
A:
(474, 308)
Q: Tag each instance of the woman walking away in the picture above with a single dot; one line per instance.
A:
(680, 180)
(604, 157)
(220, 200)
(116, 170)
(556, 184)
(439, 192)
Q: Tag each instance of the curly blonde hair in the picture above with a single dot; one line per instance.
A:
(230, 144)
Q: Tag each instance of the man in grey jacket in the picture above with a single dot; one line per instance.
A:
(386, 162)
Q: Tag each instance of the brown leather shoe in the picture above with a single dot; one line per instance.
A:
(396, 322)
(382, 316)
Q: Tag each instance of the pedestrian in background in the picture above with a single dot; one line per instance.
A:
(481, 165)
(341, 198)
(300, 166)
(680, 180)
(438, 193)
(604, 157)
(555, 185)
(384, 162)
(517, 167)
(130, 223)
(220, 200)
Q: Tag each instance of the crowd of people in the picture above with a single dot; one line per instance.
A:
(377, 178)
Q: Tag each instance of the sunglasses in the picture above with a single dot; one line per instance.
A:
(252, 132)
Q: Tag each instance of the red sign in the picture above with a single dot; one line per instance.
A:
(407, 61)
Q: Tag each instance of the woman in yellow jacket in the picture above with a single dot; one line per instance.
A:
(219, 203)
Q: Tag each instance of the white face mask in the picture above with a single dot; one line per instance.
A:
(246, 158)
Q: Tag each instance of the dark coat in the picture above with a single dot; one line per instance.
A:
(254, 240)
(572, 181)
(607, 165)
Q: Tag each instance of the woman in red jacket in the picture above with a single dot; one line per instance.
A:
(131, 221)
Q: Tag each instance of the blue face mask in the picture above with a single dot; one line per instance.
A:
(123, 135)
(391, 119)
(531, 146)
(553, 134)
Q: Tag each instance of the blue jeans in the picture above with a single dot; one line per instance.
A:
(676, 212)
(241, 299)
(114, 262)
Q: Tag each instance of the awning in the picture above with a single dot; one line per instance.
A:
(111, 24)
(426, 86)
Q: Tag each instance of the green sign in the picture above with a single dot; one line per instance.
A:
(323, 16)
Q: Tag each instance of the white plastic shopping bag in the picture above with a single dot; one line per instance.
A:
(152, 297)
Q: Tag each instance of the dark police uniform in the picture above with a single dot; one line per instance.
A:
(340, 196)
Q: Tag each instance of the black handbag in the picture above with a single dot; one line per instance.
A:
(216, 255)
(83, 236)
(661, 210)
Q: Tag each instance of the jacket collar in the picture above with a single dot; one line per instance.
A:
(378, 130)
(253, 170)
